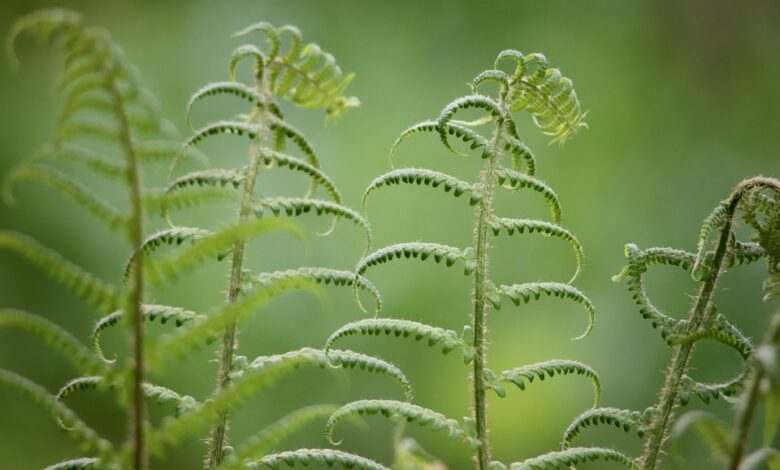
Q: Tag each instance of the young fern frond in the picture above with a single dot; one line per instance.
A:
(432, 335)
(627, 420)
(549, 99)
(401, 410)
(703, 322)
(321, 457)
(308, 78)
(570, 457)
(541, 370)
(97, 80)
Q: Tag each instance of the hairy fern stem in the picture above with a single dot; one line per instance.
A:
(229, 340)
(698, 316)
(136, 285)
(481, 247)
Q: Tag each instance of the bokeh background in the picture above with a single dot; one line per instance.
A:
(684, 102)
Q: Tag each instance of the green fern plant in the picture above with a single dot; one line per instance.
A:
(756, 199)
(103, 103)
(307, 77)
(550, 98)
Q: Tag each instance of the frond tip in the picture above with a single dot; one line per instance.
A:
(322, 457)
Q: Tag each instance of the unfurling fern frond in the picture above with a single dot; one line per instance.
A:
(433, 336)
(706, 267)
(402, 410)
(573, 456)
(712, 431)
(84, 463)
(622, 419)
(541, 370)
(306, 77)
(322, 457)
(542, 96)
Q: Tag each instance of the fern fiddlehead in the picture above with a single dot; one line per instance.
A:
(96, 80)
(706, 266)
(551, 100)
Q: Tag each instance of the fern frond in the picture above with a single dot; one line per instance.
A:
(704, 391)
(546, 94)
(216, 245)
(397, 409)
(149, 312)
(473, 101)
(247, 51)
(422, 176)
(163, 202)
(271, 436)
(574, 456)
(534, 290)
(717, 329)
(520, 375)
(45, 26)
(54, 336)
(214, 177)
(79, 384)
(713, 433)
(77, 429)
(421, 250)
(622, 419)
(432, 335)
(271, 157)
(515, 180)
(293, 134)
(231, 88)
(171, 236)
(294, 206)
(70, 187)
(185, 339)
(324, 276)
(493, 75)
(84, 285)
(465, 134)
(340, 358)
(85, 157)
(545, 228)
(322, 457)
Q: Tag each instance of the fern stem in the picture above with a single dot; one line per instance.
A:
(136, 285)
(699, 314)
(746, 409)
(482, 216)
(229, 340)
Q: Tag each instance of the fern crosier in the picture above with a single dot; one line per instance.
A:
(306, 77)
(756, 199)
(103, 100)
(551, 100)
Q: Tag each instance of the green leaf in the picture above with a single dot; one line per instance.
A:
(514, 180)
(713, 433)
(621, 419)
(418, 250)
(422, 176)
(574, 456)
(322, 457)
(520, 375)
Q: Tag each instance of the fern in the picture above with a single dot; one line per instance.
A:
(322, 457)
(706, 266)
(306, 77)
(96, 79)
(553, 104)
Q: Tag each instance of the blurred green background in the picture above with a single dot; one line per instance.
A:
(684, 102)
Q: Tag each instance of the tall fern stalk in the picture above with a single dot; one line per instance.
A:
(229, 341)
(482, 218)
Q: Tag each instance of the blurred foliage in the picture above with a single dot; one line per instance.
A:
(683, 102)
